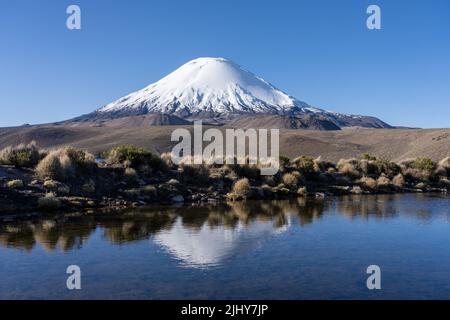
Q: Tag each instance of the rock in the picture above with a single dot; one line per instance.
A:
(173, 182)
(178, 199)
(320, 195)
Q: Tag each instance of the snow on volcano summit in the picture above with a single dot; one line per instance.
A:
(208, 84)
(219, 90)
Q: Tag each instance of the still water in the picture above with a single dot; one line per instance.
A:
(300, 249)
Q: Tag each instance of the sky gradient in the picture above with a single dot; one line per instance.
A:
(317, 51)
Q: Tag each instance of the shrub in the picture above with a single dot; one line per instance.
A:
(66, 163)
(441, 171)
(284, 161)
(15, 184)
(368, 182)
(247, 171)
(50, 184)
(444, 167)
(331, 170)
(166, 157)
(304, 164)
(49, 202)
(270, 181)
(242, 188)
(20, 156)
(383, 182)
(445, 163)
(134, 157)
(444, 183)
(424, 164)
(195, 173)
(302, 191)
(398, 180)
(368, 157)
(349, 167)
(289, 179)
(322, 165)
(417, 174)
(386, 167)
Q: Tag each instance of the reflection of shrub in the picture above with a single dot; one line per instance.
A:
(20, 156)
(66, 163)
(242, 188)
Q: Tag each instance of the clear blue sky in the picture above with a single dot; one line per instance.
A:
(318, 51)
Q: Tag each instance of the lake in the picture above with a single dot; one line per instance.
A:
(297, 249)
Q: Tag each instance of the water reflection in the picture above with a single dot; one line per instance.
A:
(196, 236)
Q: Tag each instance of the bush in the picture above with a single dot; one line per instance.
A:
(15, 184)
(284, 161)
(444, 167)
(66, 163)
(290, 180)
(322, 165)
(50, 184)
(398, 180)
(368, 157)
(417, 174)
(166, 157)
(247, 171)
(383, 182)
(349, 167)
(132, 156)
(26, 156)
(304, 164)
(302, 191)
(195, 173)
(424, 164)
(445, 163)
(242, 188)
(368, 182)
(444, 183)
(386, 167)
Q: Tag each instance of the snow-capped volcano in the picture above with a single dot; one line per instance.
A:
(219, 90)
(214, 85)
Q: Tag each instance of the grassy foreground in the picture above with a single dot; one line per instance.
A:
(71, 179)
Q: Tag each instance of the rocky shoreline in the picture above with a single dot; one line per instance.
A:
(69, 180)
